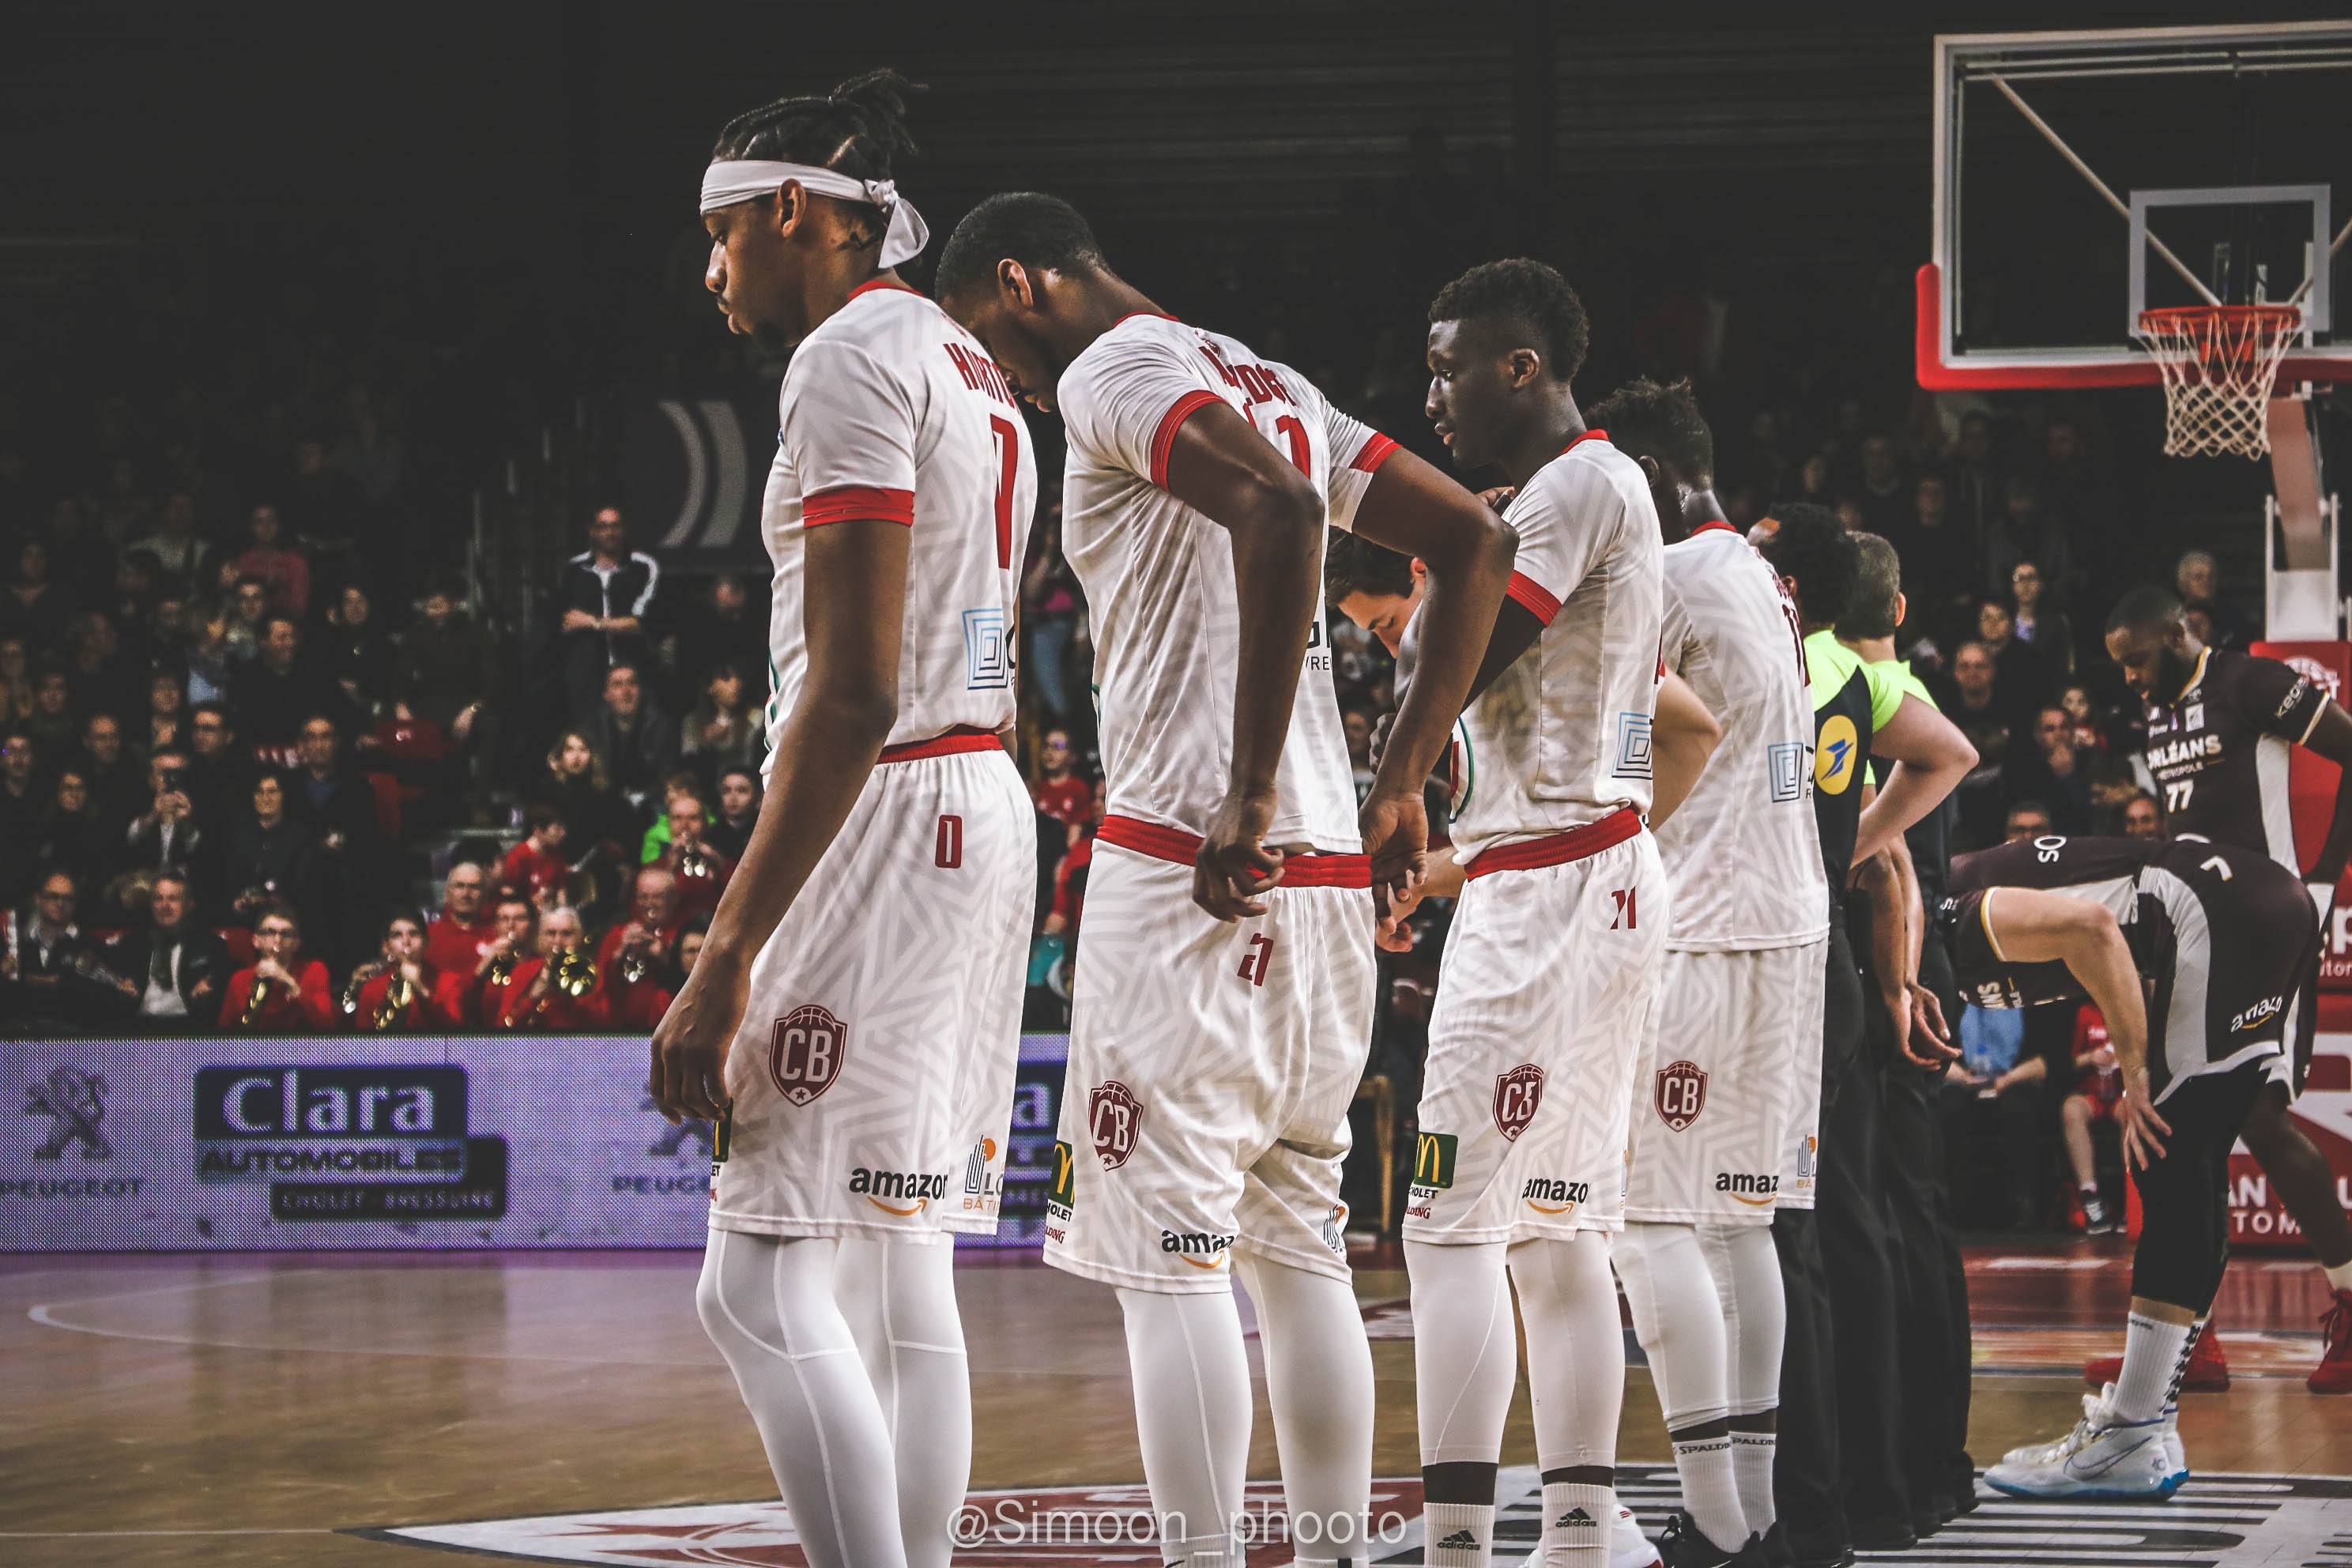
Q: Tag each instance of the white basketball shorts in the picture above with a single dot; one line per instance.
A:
(1543, 999)
(1710, 1108)
(872, 1077)
(1211, 1066)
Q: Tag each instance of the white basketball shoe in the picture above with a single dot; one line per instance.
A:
(1627, 1547)
(2101, 1457)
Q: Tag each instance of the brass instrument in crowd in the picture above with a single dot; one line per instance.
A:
(256, 1002)
(359, 977)
(502, 968)
(574, 974)
(692, 861)
(398, 996)
(633, 965)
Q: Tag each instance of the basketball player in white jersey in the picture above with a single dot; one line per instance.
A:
(853, 1020)
(1740, 987)
(1550, 968)
(1225, 996)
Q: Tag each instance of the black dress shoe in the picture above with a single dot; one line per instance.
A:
(1882, 1535)
(1844, 1559)
(1777, 1552)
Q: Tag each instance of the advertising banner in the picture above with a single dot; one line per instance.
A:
(387, 1141)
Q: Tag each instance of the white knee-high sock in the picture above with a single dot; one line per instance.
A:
(899, 1298)
(1192, 1414)
(1576, 1375)
(1756, 1320)
(1318, 1379)
(1466, 1350)
(767, 1303)
(2156, 1352)
(1679, 1319)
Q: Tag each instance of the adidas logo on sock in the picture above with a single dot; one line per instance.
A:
(1573, 1516)
(1460, 1541)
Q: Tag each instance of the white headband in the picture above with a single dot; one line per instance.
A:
(733, 180)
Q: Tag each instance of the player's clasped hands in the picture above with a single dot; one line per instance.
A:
(1233, 866)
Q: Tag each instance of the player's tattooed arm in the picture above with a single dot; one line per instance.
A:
(854, 614)
(2030, 926)
(2331, 737)
(1222, 468)
(1931, 757)
(1412, 509)
(1683, 736)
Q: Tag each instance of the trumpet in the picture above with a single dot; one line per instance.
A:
(359, 977)
(633, 966)
(502, 968)
(574, 974)
(256, 1002)
(692, 861)
(398, 997)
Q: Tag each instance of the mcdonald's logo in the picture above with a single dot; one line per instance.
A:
(1432, 1159)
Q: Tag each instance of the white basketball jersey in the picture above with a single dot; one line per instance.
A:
(1562, 737)
(892, 411)
(1159, 575)
(1742, 852)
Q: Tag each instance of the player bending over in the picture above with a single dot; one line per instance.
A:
(2221, 933)
(854, 1018)
(1224, 1006)
(2220, 727)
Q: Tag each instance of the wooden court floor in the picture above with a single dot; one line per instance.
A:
(252, 1409)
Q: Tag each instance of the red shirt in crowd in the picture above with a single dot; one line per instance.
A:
(535, 870)
(608, 951)
(439, 1003)
(519, 1009)
(454, 946)
(638, 1007)
(698, 894)
(1068, 800)
(282, 1012)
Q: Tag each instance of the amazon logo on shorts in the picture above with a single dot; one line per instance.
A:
(1116, 1119)
(1756, 1188)
(1516, 1094)
(1545, 1195)
(1195, 1247)
(906, 1192)
(806, 1052)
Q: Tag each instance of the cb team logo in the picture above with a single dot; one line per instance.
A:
(1680, 1094)
(1115, 1117)
(1516, 1094)
(806, 1052)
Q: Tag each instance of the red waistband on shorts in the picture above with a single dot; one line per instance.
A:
(1179, 848)
(1560, 848)
(962, 738)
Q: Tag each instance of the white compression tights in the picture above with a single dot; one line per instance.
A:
(1576, 1351)
(1755, 1313)
(1192, 1415)
(900, 1302)
(768, 1303)
(1465, 1349)
(1319, 1379)
(1680, 1319)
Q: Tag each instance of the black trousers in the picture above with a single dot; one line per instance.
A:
(1931, 1284)
(2184, 1198)
(1858, 1254)
(1806, 1492)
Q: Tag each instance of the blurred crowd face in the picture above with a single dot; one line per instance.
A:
(657, 897)
(1929, 502)
(102, 738)
(737, 797)
(2141, 819)
(2025, 584)
(1360, 735)
(2055, 733)
(517, 920)
(252, 603)
(264, 527)
(690, 948)
(73, 793)
(210, 732)
(608, 536)
(16, 759)
(281, 644)
(163, 696)
(1054, 754)
(686, 823)
(559, 931)
(275, 937)
(269, 801)
(1878, 470)
(2196, 578)
(54, 900)
(437, 610)
(729, 596)
(53, 696)
(461, 895)
(1993, 623)
(726, 690)
(1972, 672)
(317, 744)
(2028, 822)
(404, 942)
(168, 904)
(577, 759)
(622, 692)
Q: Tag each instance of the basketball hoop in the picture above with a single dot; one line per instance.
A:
(2218, 362)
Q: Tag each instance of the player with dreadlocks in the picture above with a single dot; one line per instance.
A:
(857, 1058)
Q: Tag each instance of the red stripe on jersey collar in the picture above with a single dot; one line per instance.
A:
(1581, 440)
(871, 284)
(1713, 525)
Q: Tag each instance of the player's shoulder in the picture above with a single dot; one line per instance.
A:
(1588, 475)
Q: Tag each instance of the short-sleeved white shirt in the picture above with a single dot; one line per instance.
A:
(1159, 575)
(1562, 737)
(892, 411)
(1743, 851)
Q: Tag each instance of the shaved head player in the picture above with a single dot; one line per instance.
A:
(1225, 1005)
(855, 1016)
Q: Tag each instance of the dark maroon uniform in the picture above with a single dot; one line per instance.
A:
(2222, 930)
(2219, 749)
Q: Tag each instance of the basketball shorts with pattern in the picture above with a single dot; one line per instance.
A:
(872, 1077)
(1211, 1066)
(1710, 1106)
(1840, 1018)
(1543, 1000)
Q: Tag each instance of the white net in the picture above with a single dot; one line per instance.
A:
(2218, 362)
